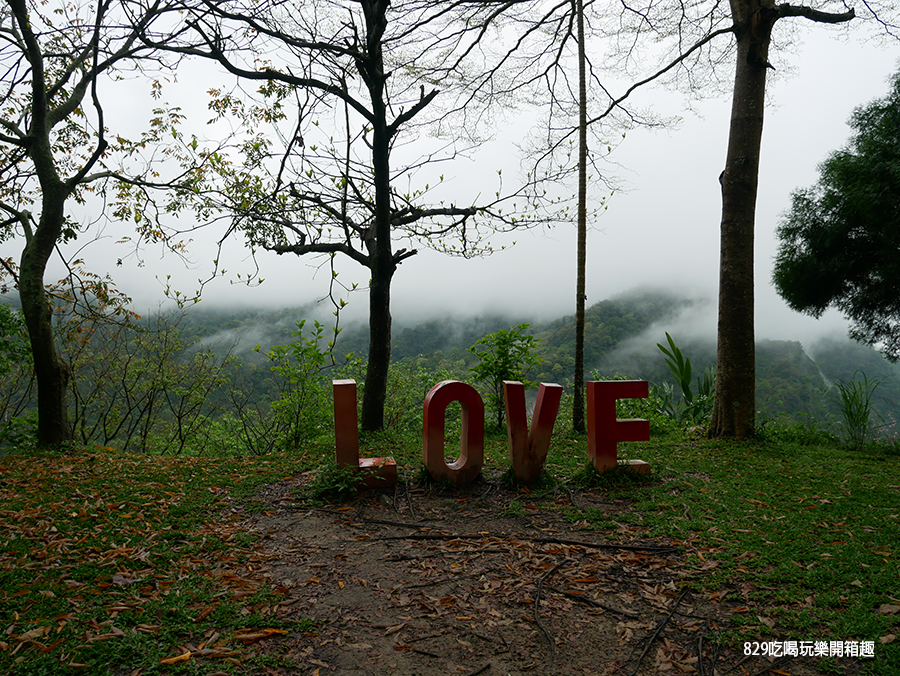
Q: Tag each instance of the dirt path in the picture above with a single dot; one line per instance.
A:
(485, 581)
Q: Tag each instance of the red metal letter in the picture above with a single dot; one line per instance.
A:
(471, 444)
(529, 449)
(604, 430)
(379, 472)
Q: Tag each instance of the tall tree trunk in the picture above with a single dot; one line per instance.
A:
(734, 408)
(381, 263)
(578, 409)
(51, 372)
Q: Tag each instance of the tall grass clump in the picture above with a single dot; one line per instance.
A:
(854, 402)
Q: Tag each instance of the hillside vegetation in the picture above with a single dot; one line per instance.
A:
(254, 380)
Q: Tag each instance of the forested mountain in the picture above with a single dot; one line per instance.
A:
(220, 374)
(621, 338)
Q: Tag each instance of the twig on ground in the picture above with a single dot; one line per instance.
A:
(506, 648)
(537, 621)
(408, 557)
(441, 581)
(591, 602)
(659, 628)
(409, 503)
(480, 671)
(652, 549)
(700, 654)
(488, 639)
(696, 617)
(388, 522)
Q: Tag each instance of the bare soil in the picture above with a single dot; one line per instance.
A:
(484, 580)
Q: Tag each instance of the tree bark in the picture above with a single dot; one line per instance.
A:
(734, 408)
(51, 372)
(581, 262)
(381, 262)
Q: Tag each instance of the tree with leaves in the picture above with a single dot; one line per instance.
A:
(59, 64)
(687, 34)
(839, 241)
(342, 88)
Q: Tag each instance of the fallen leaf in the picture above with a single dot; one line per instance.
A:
(766, 621)
(887, 638)
(256, 635)
(35, 633)
(888, 609)
(183, 657)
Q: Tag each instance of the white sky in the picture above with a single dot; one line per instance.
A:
(663, 231)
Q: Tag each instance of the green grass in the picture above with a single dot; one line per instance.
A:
(116, 560)
(807, 536)
(113, 560)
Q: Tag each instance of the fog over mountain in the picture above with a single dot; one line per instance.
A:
(660, 231)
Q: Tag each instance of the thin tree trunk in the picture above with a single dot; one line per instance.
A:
(578, 409)
(734, 408)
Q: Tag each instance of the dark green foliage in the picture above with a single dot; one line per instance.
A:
(840, 239)
(803, 432)
(694, 409)
(505, 355)
(333, 483)
(608, 324)
(14, 348)
(840, 359)
(301, 410)
(147, 385)
(16, 378)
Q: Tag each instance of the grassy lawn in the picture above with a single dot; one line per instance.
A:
(121, 564)
(110, 560)
(806, 538)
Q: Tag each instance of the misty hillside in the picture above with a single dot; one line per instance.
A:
(621, 338)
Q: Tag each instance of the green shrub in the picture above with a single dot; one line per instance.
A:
(686, 408)
(333, 483)
(786, 430)
(19, 432)
(504, 355)
(303, 411)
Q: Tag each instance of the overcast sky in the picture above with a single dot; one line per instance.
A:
(662, 231)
